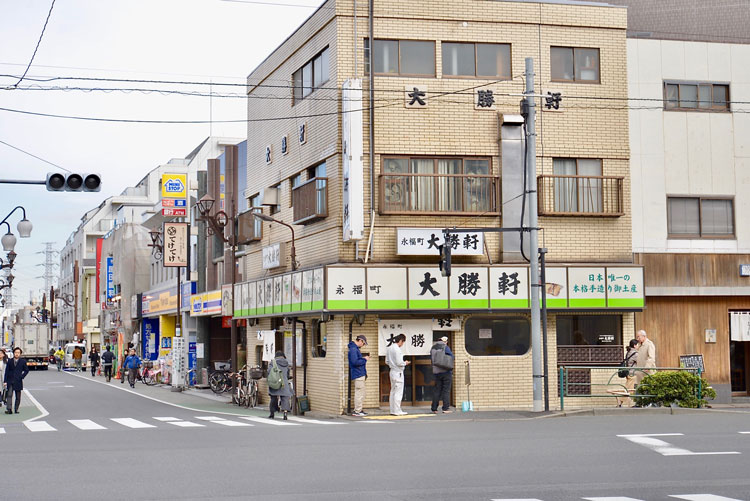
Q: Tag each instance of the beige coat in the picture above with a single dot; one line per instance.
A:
(647, 354)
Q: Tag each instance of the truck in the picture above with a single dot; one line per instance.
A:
(33, 339)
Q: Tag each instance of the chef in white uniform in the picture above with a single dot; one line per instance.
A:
(395, 360)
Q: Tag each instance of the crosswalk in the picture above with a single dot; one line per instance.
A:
(162, 422)
(686, 497)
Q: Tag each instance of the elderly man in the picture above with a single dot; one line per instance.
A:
(646, 355)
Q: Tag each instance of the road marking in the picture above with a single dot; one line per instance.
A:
(2, 431)
(68, 386)
(311, 421)
(86, 424)
(132, 423)
(703, 497)
(188, 424)
(615, 498)
(221, 421)
(38, 426)
(165, 419)
(517, 499)
(39, 406)
(665, 448)
(273, 422)
(388, 417)
(744, 432)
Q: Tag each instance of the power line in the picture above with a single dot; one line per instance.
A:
(32, 155)
(37, 43)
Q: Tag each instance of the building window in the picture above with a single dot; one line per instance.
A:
(696, 96)
(319, 339)
(590, 330)
(437, 185)
(294, 181)
(310, 198)
(574, 64)
(311, 76)
(476, 59)
(698, 217)
(401, 57)
(578, 194)
(494, 336)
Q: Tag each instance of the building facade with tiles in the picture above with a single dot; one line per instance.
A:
(368, 203)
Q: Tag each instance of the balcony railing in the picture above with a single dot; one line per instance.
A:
(438, 194)
(600, 196)
(610, 355)
(310, 200)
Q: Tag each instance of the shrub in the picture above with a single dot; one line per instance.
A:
(666, 388)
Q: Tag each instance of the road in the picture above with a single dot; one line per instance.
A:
(105, 441)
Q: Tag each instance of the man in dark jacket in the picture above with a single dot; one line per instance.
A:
(108, 359)
(94, 357)
(358, 371)
(15, 372)
(131, 364)
(442, 376)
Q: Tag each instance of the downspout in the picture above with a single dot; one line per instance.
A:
(304, 355)
(349, 376)
(372, 128)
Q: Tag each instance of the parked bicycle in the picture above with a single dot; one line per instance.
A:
(240, 394)
(148, 374)
(220, 382)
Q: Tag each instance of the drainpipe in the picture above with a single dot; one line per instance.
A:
(304, 355)
(349, 375)
(372, 127)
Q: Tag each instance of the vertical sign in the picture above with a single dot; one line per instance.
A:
(99, 242)
(110, 277)
(175, 244)
(287, 293)
(174, 195)
(179, 360)
(352, 146)
(296, 291)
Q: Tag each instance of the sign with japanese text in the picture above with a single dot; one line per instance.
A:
(269, 344)
(587, 287)
(556, 287)
(318, 297)
(346, 288)
(286, 292)
(110, 278)
(277, 294)
(352, 145)
(428, 289)
(484, 99)
(248, 300)
(227, 303)
(296, 291)
(205, 304)
(426, 242)
(386, 289)
(260, 297)
(415, 96)
(509, 287)
(288, 346)
(418, 334)
(174, 194)
(237, 301)
(446, 324)
(307, 290)
(175, 244)
(625, 287)
(268, 284)
(469, 288)
(273, 256)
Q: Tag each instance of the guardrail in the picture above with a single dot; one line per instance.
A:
(579, 380)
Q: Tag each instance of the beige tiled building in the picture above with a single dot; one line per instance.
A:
(447, 153)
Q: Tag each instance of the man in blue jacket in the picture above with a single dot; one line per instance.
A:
(358, 371)
(15, 371)
(131, 364)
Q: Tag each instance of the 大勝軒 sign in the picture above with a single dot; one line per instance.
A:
(426, 242)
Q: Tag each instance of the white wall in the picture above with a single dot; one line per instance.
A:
(687, 153)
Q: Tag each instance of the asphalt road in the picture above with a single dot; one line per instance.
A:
(101, 442)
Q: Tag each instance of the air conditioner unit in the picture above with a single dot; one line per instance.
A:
(271, 196)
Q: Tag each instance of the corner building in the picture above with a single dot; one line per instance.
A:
(369, 195)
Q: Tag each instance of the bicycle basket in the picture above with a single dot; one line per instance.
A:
(148, 364)
(256, 373)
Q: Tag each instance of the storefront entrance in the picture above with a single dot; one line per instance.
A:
(739, 351)
(418, 383)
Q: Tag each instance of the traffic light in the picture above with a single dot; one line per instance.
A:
(57, 181)
(445, 259)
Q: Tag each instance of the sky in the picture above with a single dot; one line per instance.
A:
(219, 41)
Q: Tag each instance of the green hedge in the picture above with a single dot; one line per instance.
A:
(680, 387)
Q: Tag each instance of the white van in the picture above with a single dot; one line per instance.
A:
(69, 363)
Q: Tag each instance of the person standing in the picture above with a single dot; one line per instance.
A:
(131, 364)
(3, 365)
(94, 358)
(358, 373)
(15, 372)
(442, 372)
(107, 359)
(646, 355)
(280, 398)
(394, 358)
(59, 358)
(631, 360)
(78, 358)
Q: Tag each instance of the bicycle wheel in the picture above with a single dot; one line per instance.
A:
(252, 399)
(216, 381)
(146, 378)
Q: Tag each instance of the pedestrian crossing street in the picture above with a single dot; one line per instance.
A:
(686, 497)
(164, 422)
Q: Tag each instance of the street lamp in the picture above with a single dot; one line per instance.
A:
(11, 258)
(8, 282)
(157, 246)
(24, 230)
(269, 219)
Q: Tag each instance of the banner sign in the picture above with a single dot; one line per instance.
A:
(110, 278)
(418, 334)
(176, 241)
(174, 194)
(353, 147)
(269, 344)
(205, 304)
(426, 242)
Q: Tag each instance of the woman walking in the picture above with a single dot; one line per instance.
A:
(3, 386)
(631, 359)
(278, 385)
(94, 357)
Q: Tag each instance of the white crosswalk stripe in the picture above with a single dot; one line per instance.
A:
(132, 423)
(222, 421)
(312, 421)
(616, 498)
(2, 431)
(166, 419)
(686, 497)
(703, 497)
(86, 424)
(38, 426)
(275, 422)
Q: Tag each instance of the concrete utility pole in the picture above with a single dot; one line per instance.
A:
(536, 337)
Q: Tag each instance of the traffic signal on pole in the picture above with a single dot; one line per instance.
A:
(445, 259)
(57, 181)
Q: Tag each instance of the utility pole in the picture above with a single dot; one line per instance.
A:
(75, 301)
(536, 337)
(49, 264)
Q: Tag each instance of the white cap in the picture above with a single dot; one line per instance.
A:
(444, 339)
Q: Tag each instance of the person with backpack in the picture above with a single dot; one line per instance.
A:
(442, 373)
(279, 391)
(394, 358)
(630, 360)
(108, 359)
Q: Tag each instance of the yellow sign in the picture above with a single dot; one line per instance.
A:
(174, 185)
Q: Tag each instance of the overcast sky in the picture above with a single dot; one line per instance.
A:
(184, 40)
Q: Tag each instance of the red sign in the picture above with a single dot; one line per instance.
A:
(167, 202)
(99, 242)
(174, 212)
(226, 322)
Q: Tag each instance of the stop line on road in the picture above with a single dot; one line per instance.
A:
(650, 441)
(686, 497)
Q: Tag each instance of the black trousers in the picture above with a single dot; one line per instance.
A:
(108, 371)
(280, 403)
(93, 369)
(9, 403)
(442, 390)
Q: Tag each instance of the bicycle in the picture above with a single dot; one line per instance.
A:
(256, 373)
(188, 382)
(147, 373)
(219, 382)
(240, 395)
